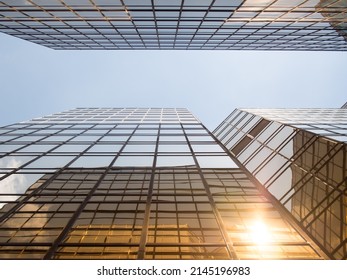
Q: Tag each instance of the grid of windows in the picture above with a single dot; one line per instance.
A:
(59, 218)
(300, 156)
(120, 115)
(331, 123)
(73, 188)
(179, 24)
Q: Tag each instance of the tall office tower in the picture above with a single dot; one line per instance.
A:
(300, 156)
(178, 24)
(118, 183)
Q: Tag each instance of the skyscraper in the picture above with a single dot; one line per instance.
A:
(300, 156)
(135, 183)
(178, 24)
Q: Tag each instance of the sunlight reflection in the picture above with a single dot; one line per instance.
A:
(260, 233)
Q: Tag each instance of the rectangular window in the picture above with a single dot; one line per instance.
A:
(241, 145)
(50, 162)
(175, 161)
(14, 161)
(37, 148)
(100, 148)
(9, 148)
(173, 148)
(92, 161)
(139, 148)
(115, 138)
(134, 161)
(216, 162)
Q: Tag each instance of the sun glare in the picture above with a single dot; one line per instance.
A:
(260, 233)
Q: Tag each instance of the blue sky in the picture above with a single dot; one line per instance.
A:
(37, 81)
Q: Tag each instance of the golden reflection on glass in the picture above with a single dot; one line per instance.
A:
(303, 167)
(259, 233)
(153, 203)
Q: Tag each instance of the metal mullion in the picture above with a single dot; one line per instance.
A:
(104, 17)
(29, 19)
(222, 124)
(26, 244)
(226, 40)
(342, 244)
(255, 152)
(29, 143)
(48, 212)
(342, 208)
(9, 141)
(277, 205)
(91, 244)
(341, 193)
(175, 196)
(203, 20)
(156, 222)
(273, 243)
(262, 144)
(155, 21)
(198, 216)
(218, 217)
(136, 211)
(51, 252)
(311, 174)
(178, 23)
(26, 125)
(345, 256)
(16, 207)
(304, 148)
(50, 26)
(146, 220)
(301, 194)
(291, 160)
(67, 8)
(277, 152)
(273, 154)
(17, 131)
(212, 20)
(226, 131)
(246, 132)
(135, 26)
(234, 126)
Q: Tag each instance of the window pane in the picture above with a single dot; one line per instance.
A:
(38, 148)
(16, 184)
(71, 148)
(216, 162)
(14, 161)
(92, 161)
(105, 148)
(134, 161)
(173, 148)
(139, 148)
(175, 161)
(51, 162)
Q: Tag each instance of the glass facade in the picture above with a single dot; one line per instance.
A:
(178, 24)
(134, 183)
(300, 156)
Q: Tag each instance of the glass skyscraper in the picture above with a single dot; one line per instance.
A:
(178, 24)
(300, 157)
(142, 183)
